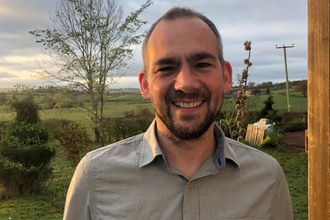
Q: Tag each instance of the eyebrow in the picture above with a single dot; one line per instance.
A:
(200, 56)
(166, 61)
(191, 58)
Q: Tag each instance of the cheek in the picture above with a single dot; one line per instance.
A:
(159, 88)
(215, 85)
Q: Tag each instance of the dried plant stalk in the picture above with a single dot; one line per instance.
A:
(241, 95)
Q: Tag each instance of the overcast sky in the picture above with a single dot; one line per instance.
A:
(265, 23)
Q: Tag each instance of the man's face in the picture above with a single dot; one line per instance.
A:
(184, 81)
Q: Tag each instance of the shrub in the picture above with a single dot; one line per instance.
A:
(2, 130)
(294, 126)
(121, 128)
(25, 152)
(268, 107)
(55, 126)
(75, 140)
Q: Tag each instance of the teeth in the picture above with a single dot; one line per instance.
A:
(187, 104)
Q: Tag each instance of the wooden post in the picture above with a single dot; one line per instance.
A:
(318, 110)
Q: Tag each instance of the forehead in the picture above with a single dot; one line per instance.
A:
(181, 36)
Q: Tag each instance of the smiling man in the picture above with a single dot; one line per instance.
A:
(182, 167)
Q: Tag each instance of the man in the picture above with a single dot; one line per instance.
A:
(183, 167)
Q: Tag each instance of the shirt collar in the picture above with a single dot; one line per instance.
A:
(150, 148)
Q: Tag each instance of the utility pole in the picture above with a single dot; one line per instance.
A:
(286, 73)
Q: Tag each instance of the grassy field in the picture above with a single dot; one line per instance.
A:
(50, 204)
(116, 105)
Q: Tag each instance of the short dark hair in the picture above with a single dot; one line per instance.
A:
(182, 12)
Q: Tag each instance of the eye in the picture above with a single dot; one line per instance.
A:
(202, 65)
(166, 69)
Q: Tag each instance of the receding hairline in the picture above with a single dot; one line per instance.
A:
(180, 13)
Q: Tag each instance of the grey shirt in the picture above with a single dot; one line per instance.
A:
(131, 179)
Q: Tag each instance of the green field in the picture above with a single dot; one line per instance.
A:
(116, 105)
(50, 204)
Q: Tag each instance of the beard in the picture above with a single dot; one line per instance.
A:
(177, 131)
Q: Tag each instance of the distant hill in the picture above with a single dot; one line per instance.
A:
(124, 90)
(6, 89)
(121, 90)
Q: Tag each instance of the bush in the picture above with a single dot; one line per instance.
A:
(2, 130)
(121, 128)
(75, 140)
(55, 126)
(294, 126)
(25, 152)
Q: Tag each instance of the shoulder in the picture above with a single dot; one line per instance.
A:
(247, 156)
(126, 149)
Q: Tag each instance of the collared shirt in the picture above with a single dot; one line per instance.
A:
(131, 179)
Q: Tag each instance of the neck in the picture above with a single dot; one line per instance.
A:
(187, 155)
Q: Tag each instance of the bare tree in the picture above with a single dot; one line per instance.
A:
(90, 43)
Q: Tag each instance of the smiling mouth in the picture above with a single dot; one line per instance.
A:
(187, 104)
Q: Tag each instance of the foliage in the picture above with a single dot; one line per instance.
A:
(228, 123)
(26, 111)
(121, 128)
(91, 45)
(277, 122)
(75, 141)
(268, 84)
(63, 98)
(2, 130)
(3, 98)
(301, 86)
(268, 107)
(54, 126)
(294, 126)
(25, 152)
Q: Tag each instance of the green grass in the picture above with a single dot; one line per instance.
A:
(295, 166)
(50, 204)
(298, 103)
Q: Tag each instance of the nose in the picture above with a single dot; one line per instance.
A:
(186, 80)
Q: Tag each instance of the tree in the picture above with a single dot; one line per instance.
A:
(301, 86)
(267, 108)
(90, 43)
(251, 85)
(25, 152)
(266, 84)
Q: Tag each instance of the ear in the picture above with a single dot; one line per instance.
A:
(144, 86)
(227, 77)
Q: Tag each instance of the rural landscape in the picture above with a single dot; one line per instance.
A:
(126, 113)
(46, 130)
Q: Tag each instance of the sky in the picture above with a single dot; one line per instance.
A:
(264, 23)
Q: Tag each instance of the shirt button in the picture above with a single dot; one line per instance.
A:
(190, 185)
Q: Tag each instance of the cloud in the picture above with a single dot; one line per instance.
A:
(5, 75)
(265, 23)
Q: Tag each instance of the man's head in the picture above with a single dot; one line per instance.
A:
(185, 75)
(176, 13)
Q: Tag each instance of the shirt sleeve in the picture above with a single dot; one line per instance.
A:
(77, 204)
(283, 204)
